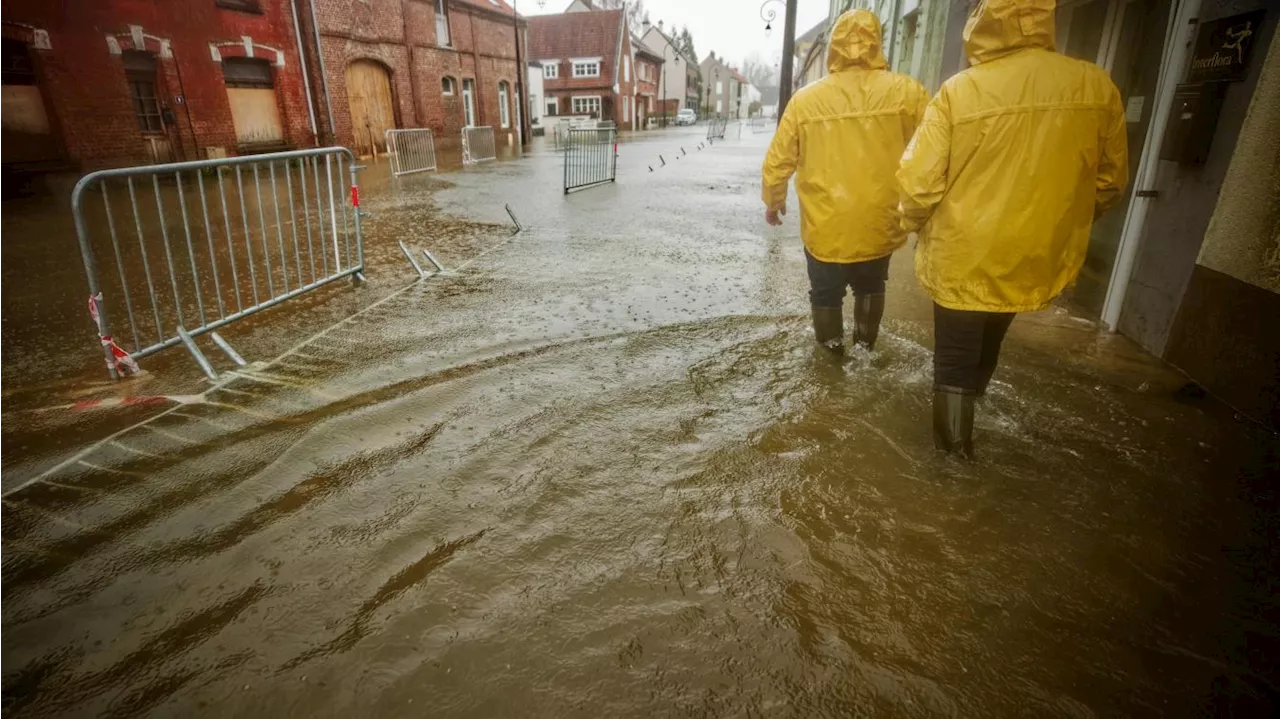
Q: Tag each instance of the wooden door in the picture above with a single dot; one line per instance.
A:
(372, 111)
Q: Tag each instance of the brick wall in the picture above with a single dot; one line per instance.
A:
(87, 96)
(391, 32)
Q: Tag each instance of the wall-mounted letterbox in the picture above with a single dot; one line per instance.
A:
(1192, 122)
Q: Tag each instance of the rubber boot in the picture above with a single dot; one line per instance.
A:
(828, 327)
(953, 420)
(867, 311)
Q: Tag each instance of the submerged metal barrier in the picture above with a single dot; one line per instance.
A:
(199, 245)
(590, 158)
(716, 126)
(478, 145)
(411, 151)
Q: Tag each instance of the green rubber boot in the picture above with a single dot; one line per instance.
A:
(828, 327)
(867, 311)
(953, 420)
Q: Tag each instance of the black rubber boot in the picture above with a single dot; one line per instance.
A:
(867, 311)
(828, 327)
(953, 420)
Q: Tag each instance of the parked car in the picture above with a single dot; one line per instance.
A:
(686, 116)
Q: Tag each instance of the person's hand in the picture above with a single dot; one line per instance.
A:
(774, 217)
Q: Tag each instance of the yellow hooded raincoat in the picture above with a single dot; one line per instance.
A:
(1015, 158)
(845, 134)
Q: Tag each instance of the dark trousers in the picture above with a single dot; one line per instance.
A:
(966, 347)
(828, 280)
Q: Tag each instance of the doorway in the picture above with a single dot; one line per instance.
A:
(469, 103)
(1125, 38)
(372, 109)
(28, 133)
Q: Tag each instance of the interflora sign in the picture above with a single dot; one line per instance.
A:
(1223, 47)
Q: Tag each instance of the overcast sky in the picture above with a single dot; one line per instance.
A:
(732, 28)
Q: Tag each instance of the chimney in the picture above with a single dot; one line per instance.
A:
(659, 24)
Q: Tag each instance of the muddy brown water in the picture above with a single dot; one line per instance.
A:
(599, 470)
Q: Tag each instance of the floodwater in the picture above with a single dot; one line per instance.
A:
(598, 469)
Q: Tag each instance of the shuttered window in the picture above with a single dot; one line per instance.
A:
(247, 72)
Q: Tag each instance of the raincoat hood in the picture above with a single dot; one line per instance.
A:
(999, 27)
(855, 43)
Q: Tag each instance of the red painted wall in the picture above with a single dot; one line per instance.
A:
(84, 83)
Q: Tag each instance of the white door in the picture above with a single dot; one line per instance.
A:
(469, 102)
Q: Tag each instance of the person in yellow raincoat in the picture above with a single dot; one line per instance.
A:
(843, 137)
(1015, 158)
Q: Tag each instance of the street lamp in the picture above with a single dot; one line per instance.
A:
(769, 15)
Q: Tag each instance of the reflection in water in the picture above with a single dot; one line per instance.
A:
(603, 472)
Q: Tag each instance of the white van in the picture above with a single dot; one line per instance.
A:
(686, 116)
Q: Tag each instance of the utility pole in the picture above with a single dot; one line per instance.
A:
(788, 55)
(522, 110)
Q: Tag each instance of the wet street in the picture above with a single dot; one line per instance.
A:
(597, 469)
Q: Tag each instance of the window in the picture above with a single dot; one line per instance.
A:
(719, 87)
(140, 72)
(626, 69)
(468, 102)
(504, 110)
(719, 108)
(242, 5)
(448, 86)
(551, 71)
(587, 68)
(626, 109)
(255, 109)
(442, 24)
(533, 107)
(553, 106)
(587, 105)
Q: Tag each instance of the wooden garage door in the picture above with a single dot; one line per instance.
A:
(372, 113)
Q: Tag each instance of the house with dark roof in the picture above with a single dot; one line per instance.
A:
(648, 74)
(678, 84)
(587, 63)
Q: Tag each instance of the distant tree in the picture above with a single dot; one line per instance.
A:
(685, 40)
(759, 71)
(754, 108)
(636, 14)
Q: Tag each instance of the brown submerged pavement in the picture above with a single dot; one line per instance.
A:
(599, 471)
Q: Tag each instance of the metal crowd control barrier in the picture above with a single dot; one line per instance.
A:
(411, 151)
(590, 158)
(759, 124)
(478, 145)
(199, 245)
(716, 127)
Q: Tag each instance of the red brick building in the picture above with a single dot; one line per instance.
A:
(648, 70)
(122, 82)
(439, 64)
(127, 82)
(586, 58)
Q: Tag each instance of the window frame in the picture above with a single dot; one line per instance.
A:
(443, 26)
(551, 71)
(551, 106)
(469, 114)
(599, 105)
(249, 6)
(585, 64)
(504, 110)
(448, 86)
(146, 109)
